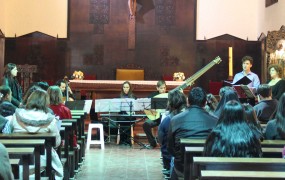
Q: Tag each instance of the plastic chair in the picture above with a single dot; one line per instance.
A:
(101, 141)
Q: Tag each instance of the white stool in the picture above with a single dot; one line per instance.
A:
(101, 141)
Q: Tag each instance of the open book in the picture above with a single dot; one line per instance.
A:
(244, 81)
(244, 91)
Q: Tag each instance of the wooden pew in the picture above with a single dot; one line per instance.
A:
(208, 174)
(50, 142)
(191, 152)
(238, 164)
(37, 144)
(27, 158)
(15, 167)
(69, 143)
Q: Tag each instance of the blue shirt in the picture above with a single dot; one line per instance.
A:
(255, 82)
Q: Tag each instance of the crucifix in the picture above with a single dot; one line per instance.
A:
(132, 24)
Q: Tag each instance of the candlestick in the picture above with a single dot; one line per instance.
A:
(230, 63)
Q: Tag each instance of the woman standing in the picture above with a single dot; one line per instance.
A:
(277, 83)
(10, 80)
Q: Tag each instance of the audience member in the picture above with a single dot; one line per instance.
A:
(10, 80)
(5, 170)
(247, 62)
(228, 95)
(6, 107)
(211, 104)
(194, 122)
(275, 128)
(149, 124)
(176, 104)
(232, 136)
(35, 118)
(253, 121)
(266, 107)
(277, 83)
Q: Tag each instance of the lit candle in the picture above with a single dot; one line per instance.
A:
(230, 62)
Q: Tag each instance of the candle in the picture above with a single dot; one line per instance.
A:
(230, 62)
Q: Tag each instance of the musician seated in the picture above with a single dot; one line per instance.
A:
(63, 84)
(149, 124)
(126, 92)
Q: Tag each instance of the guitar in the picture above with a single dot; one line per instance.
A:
(155, 114)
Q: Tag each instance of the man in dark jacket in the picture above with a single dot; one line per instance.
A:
(194, 122)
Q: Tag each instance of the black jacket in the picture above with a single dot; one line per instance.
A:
(194, 122)
(15, 88)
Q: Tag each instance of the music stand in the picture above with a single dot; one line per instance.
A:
(158, 103)
(75, 105)
(245, 93)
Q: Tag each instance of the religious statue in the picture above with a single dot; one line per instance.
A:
(278, 56)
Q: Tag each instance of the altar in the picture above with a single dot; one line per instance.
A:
(101, 89)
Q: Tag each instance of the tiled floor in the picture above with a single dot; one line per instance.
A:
(121, 162)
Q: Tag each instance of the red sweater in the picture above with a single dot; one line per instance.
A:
(61, 110)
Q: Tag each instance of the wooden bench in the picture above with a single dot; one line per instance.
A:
(50, 142)
(27, 158)
(37, 144)
(191, 152)
(209, 174)
(237, 164)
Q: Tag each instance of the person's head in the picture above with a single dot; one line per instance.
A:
(61, 84)
(10, 70)
(44, 85)
(29, 92)
(6, 93)
(264, 90)
(223, 90)
(233, 112)
(247, 62)
(55, 95)
(38, 100)
(161, 87)
(126, 87)
(197, 96)
(275, 71)
(212, 102)
(176, 101)
(250, 115)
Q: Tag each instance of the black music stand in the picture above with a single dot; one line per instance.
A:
(158, 103)
(245, 94)
(75, 105)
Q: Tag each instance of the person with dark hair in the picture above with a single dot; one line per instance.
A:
(266, 107)
(232, 136)
(126, 91)
(247, 62)
(212, 103)
(277, 83)
(5, 169)
(42, 84)
(9, 79)
(35, 118)
(275, 128)
(62, 84)
(228, 95)
(6, 107)
(149, 124)
(194, 122)
(224, 89)
(176, 103)
(253, 121)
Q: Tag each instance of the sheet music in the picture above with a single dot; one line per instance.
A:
(142, 104)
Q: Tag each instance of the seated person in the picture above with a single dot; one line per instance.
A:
(6, 107)
(126, 92)
(275, 128)
(34, 119)
(58, 108)
(277, 83)
(253, 121)
(149, 124)
(232, 136)
(62, 85)
(5, 170)
(266, 107)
